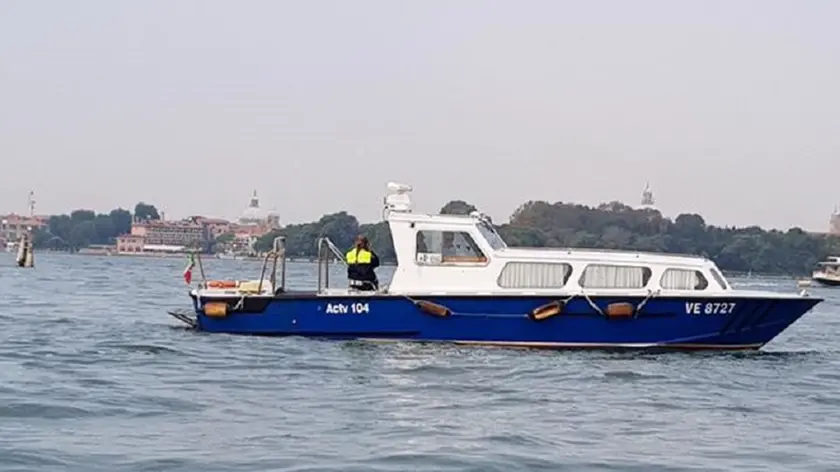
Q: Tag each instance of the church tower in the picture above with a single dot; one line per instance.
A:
(253, 214)
(647, 198)
(255, 200)
(834, 222)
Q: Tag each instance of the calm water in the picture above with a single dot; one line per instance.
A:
(95, 376)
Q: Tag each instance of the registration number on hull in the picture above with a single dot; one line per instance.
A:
(709, 308)
(347, 308)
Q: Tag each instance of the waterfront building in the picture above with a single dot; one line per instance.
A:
(12, 226)
(162, 236)
(198, 231)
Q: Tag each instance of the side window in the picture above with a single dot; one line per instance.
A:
(447, 247)
(683, 279)
(534, 275)
(610, 276)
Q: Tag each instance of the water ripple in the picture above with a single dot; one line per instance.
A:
(94, 376)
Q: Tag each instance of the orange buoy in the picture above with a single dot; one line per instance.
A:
(216, 309)
(620, 310)
(433, 308)
(222, 283)
(546, 311)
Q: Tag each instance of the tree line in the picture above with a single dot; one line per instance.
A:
(82, 228)
(612, 225)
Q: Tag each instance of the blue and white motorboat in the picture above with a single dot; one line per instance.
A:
(457, 281)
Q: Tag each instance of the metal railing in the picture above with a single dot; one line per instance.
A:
(277, 254)
(325, 246)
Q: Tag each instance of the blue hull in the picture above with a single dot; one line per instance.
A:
(663, 322)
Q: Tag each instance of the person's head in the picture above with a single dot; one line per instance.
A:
(362, 242)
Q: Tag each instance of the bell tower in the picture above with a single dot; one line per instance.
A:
(834, 222)
(647, 198)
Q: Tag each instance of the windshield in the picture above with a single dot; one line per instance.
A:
(489, 233)
(827, 266)
(719, 279)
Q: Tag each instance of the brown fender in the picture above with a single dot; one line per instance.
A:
(620, 310)
(547, 311)
(433, 308)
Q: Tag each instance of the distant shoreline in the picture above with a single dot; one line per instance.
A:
(212, 257)
(204, 257)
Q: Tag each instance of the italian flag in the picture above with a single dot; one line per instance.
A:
(188, 270)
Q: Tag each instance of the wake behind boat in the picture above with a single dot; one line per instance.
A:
(457, 281)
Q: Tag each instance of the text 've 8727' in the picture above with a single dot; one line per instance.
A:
(709, 308)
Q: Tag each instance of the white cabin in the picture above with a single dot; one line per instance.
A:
(828, 270)
(450, 254)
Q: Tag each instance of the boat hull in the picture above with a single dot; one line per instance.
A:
(828, 282)
(662, 322)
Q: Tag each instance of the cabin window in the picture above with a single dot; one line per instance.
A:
(719, 279)
(534, 275)
(683, 279)
(491, 235)
(611, 276)
(445, 247)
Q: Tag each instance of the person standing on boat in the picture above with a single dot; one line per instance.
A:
(361, 265)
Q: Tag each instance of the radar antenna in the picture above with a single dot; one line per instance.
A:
(398, 200)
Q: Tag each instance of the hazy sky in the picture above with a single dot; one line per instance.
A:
(729, 108)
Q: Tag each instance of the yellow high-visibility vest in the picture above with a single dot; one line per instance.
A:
(358, 256)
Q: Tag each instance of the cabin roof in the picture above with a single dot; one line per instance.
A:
(465, 220)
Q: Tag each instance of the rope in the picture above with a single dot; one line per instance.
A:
(592, 304)
(239, 304)
(651, 294)
(568, 299)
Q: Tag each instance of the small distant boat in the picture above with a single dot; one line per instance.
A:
(827, 272)
(457, 281)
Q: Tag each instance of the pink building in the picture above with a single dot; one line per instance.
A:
(214, 227)
(12, 226)
(128, 243)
